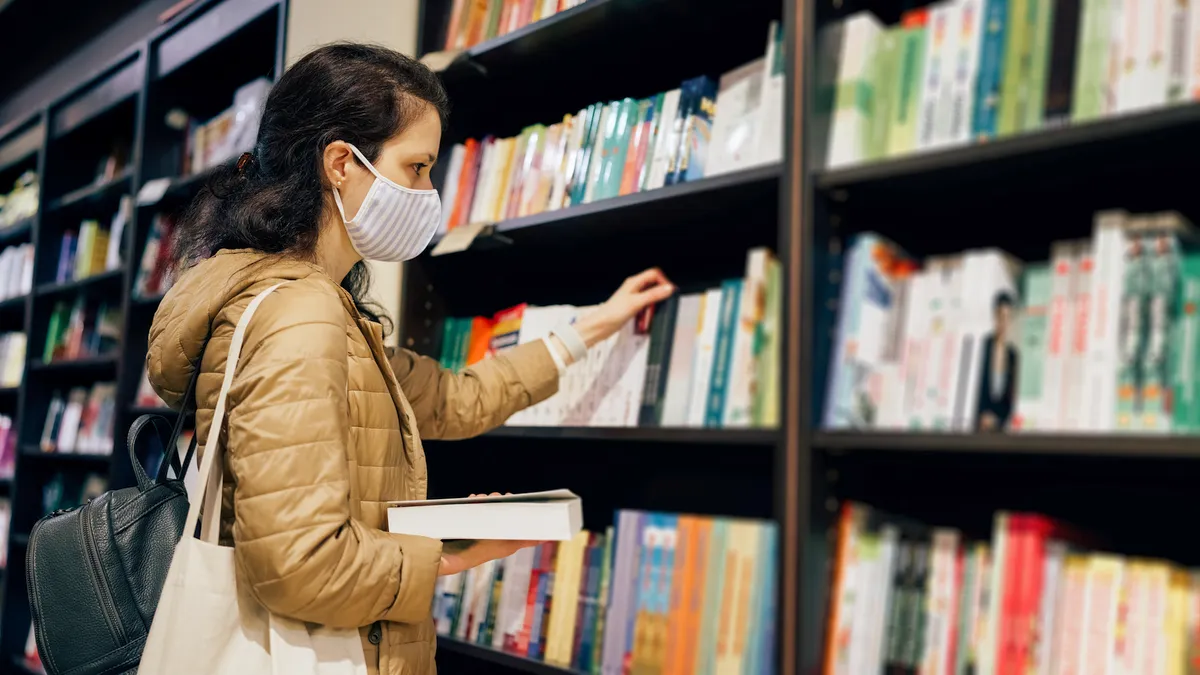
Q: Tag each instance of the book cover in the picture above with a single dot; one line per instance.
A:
(1014, 82)
(1034, 100)
(908, 87)
(718, 388)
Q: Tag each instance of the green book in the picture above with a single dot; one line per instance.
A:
(448, 326)
(1160, 255)
(905, 98)
(884, 69)
(54, 331)
(1042, 13)
(731, 292)
(1186, 349)
(1015, 81)
(1091, 60)
(602, 600)
(1031, 347)
(494, 10)
(615, 149)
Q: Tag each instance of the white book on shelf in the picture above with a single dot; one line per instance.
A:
(1075, 409)
(510, 615)
(1064, 258)
(969, 28)
(665, 141)
(553, 515)
(735, 129)
(573, 135)
(851, 110)
(679, 371)
(738, 397)
(1100, 376)
(702, 363)
(1122, 40)
(933, 123)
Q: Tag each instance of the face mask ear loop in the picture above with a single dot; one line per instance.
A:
(368, 164)
(337, 199)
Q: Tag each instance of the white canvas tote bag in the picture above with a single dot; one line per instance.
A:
(203, 625)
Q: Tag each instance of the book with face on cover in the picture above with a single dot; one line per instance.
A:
(553, 515)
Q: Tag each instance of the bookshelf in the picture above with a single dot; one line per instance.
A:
(697, 231)
(194, 63)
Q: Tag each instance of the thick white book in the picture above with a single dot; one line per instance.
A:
(553, 515)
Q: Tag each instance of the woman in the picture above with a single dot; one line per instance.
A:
(320, 434)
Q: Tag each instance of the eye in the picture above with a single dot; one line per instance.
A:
(419, 168)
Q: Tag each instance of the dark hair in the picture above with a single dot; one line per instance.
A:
(273, 200)
(1003, 299)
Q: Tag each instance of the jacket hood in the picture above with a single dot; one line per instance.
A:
(187, 313)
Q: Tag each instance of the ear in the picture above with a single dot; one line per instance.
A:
(336, 162)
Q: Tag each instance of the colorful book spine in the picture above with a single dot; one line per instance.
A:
(731, 291)
(1014, 83)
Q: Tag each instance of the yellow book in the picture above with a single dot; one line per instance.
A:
(499, 197)
(1173, 639)
(560, 635)
(99, 251)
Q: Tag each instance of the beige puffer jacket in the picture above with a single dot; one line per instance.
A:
(320, 435)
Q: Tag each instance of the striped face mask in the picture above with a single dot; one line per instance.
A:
(394, 223)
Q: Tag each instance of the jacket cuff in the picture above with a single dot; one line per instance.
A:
(535, 369)
(418, 572)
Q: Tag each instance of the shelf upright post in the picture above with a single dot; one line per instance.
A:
(12, 637)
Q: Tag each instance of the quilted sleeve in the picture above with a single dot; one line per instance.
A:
(296, 543)
(452, 406)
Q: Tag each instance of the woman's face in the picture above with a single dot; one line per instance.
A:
(405, 160)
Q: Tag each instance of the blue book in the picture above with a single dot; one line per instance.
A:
(991, 70)
(698, 130)
(687, 102)
(731, 293)
(539, 606)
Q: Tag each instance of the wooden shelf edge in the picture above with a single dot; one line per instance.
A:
(1111, 445)
(1042, 140)
(521, 663)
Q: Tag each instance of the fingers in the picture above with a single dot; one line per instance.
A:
(651, 277)
(655, 294)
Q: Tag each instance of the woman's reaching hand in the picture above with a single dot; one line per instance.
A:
(637, 293)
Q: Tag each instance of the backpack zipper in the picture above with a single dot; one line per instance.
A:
(106, 602)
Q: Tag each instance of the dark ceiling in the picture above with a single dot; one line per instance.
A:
(40, 33)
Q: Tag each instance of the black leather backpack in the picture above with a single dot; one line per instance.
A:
(95, 572)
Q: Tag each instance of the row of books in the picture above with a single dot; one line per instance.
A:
(22, 201)
(660, 593)
(93, 248)
(16, 271)
(8, 448)
(910, 598)
(156, 273)
(12, 359)
(708, 359)
(622, 147)
(1104, 337)
(473, 21)
(81, 329)
(82, 422)
(220, 139)
(967, 70)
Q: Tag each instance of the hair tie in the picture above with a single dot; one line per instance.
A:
(243, 160)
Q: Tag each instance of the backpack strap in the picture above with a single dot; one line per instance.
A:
(209, 485)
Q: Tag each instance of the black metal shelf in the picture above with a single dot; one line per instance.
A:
(97, 191)
(90, 364)
(18, 230)
(14, 303)
(693, 436)
(1022, 147)
(66, 458)
(640, 210)
(1119, 445)
(512, 661)
(76, 284)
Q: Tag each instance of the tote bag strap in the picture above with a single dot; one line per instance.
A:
(209, 486)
